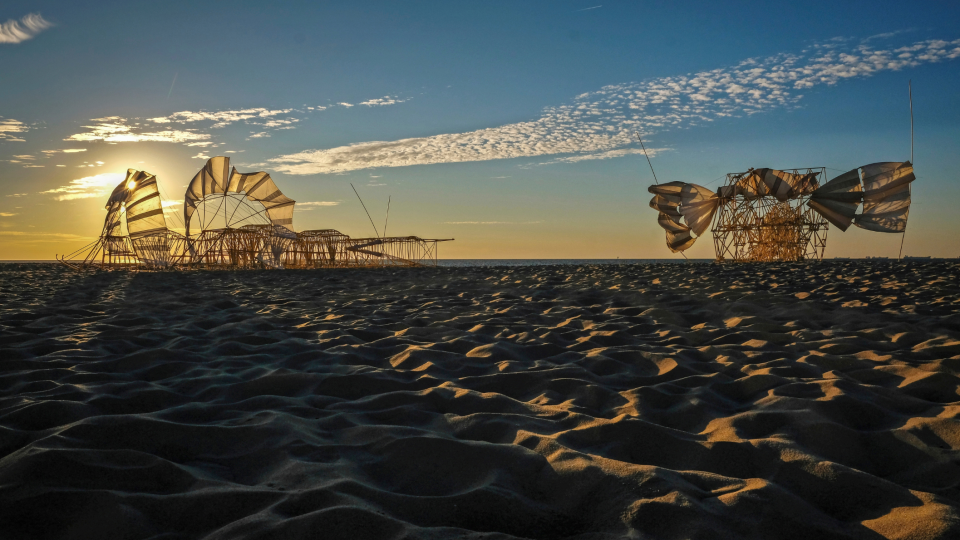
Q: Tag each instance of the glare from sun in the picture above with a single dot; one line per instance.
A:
(131, 184)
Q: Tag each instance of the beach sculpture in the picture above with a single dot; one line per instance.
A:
(231, 220)
(774, 215)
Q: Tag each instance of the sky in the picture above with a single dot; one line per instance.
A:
(507, 125)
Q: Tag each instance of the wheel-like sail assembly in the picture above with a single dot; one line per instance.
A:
(783, 215)
(231, 220)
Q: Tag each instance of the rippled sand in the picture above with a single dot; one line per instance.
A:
(647, 401)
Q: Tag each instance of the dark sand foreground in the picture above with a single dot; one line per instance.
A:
(648, 401)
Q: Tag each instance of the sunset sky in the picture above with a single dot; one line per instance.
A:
(506, 125)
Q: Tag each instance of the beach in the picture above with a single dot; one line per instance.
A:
(647, 401)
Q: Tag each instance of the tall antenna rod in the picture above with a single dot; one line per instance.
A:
(648, 157)
(365, 210)
(387, 220)
(910, 94)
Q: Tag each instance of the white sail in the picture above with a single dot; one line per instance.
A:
(137, 200)
(258, 186)
(697, 206)
(886, 197)
(684, 210)
(886, 213)
(838, 199)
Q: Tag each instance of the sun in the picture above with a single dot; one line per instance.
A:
(131, 184)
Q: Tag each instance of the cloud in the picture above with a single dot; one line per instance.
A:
(491, 222)
(64, 151)
(595, 123)
(261, 135)
(8, 126)
(28, 237)
(307, 206)
(17, 195)
(222, 118)
(89, 186)
(587, 9)
(29, 26)
(6, 214)
(115, 129)
(201, 155)
(385, 100)
(344, 104)
(606, 155)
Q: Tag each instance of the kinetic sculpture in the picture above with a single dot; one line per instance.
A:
(256, 232)
(772, 215)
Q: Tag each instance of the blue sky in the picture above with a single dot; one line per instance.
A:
(506, 125)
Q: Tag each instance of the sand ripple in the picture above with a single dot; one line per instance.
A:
(648, 401)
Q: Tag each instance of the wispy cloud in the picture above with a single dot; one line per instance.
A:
(14, 31)
(385, 100)
(6, 214)
(89, 186)
(491, 222)
(587, 9)
(9, 126)
(17, 195)
(30, 237)
(174, 127)
(64, 151)
(606, 155)
(222, 119)
(599, 122)
(307, 206)
(114, 129)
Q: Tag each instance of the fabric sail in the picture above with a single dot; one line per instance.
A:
(886, 196)
(214, 178)
(137, 198)
(685, 211)
(884, 190)
(772, 182)
(838, 199)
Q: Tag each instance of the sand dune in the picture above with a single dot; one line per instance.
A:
(642, 401)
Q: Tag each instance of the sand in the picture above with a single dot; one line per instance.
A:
(663, 401)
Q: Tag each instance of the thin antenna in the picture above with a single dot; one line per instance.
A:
(648, 157)
(365, 210)
(387, 220)
(910, 93)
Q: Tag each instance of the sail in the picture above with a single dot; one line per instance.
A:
(210, 180)
(684, 210)
(807, 184)
(678, 234)
(887, 212)
(143, 206)
(136, 198)
(671, 190)
(882, 177)
(664, 205)
(838, 199)
(886, 196)
(258, 186)
(697, 206)
(780, 184)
